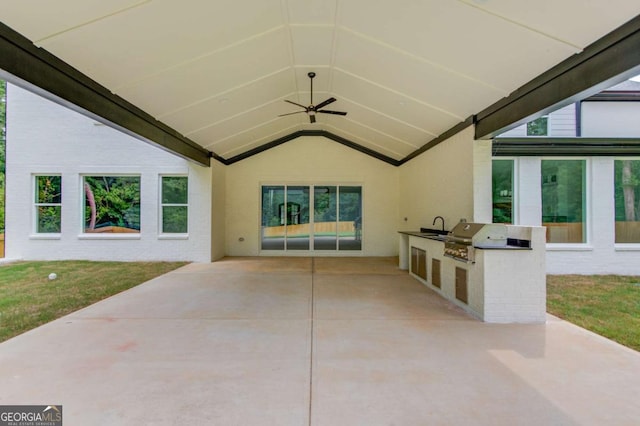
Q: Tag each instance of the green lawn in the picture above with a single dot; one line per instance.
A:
(605, 304)
(29, 299)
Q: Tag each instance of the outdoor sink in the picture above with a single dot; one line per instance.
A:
(438, 237)
(433, 231)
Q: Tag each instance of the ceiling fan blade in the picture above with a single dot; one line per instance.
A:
(301, 106)
(325, 103)
(326, 111)
(311, 110)
(291, 113)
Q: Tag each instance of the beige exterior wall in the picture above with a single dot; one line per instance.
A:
(482, 182)
(312, 160)
(440, 182)
(218, 209)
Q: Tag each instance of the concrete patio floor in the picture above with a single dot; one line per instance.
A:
(322, 341)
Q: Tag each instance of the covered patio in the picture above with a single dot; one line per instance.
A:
(227, 86)
(312, 341)
(257, 340)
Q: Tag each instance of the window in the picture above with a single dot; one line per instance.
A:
(538, 127)
(174, 205)
(325, 214)
(350, 218)
(285, 218)
(627, 200)
(48, 204)
(502, 171)
(112, 204)
(273, 230)
(321, 217)
(564, 201)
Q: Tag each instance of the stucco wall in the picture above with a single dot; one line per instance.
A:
(312, 160)
(44, 138)
(482, 182)
(218, 209)
(440, 182)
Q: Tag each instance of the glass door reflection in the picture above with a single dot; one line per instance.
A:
(292, 220)
(325, 229)
(350, 218)
(273, 224)
(296, 220)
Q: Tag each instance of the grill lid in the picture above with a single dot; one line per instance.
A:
(479, 234)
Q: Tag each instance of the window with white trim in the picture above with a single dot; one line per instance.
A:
(174, 204)
(111, 204)
(48, 204)
(503, 190)
(311, 217)
(564, 189)
(627, 200)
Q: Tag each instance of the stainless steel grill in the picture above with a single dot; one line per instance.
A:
(462, 240)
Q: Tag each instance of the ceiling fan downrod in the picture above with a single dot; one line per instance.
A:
(311, 75)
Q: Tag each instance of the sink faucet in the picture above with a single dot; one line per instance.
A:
(436, 218)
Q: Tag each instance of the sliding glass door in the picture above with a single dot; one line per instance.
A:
(297, 218)
(325, 226)
(273, 218)
(330, 220)
(350, 218)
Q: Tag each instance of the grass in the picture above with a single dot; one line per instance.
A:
(29, 299)
(605, 304)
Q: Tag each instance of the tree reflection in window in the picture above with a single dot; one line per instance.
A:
(48, 204)
(112, 204)
(564, 200)
(627, 200)
(538, 127)
(175, 207)
(502, 171)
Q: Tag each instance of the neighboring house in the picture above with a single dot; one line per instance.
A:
(585, 188)
(77, 189)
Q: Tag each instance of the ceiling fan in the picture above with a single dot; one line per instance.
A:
(312, 109)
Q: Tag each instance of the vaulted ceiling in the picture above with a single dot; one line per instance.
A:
(406, 71)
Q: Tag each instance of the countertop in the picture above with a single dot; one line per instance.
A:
(422, 234)
(442, 238)
(507, 247)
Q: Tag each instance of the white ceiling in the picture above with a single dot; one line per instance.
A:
(405, 71)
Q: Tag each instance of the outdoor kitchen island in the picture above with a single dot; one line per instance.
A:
(496, 282)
